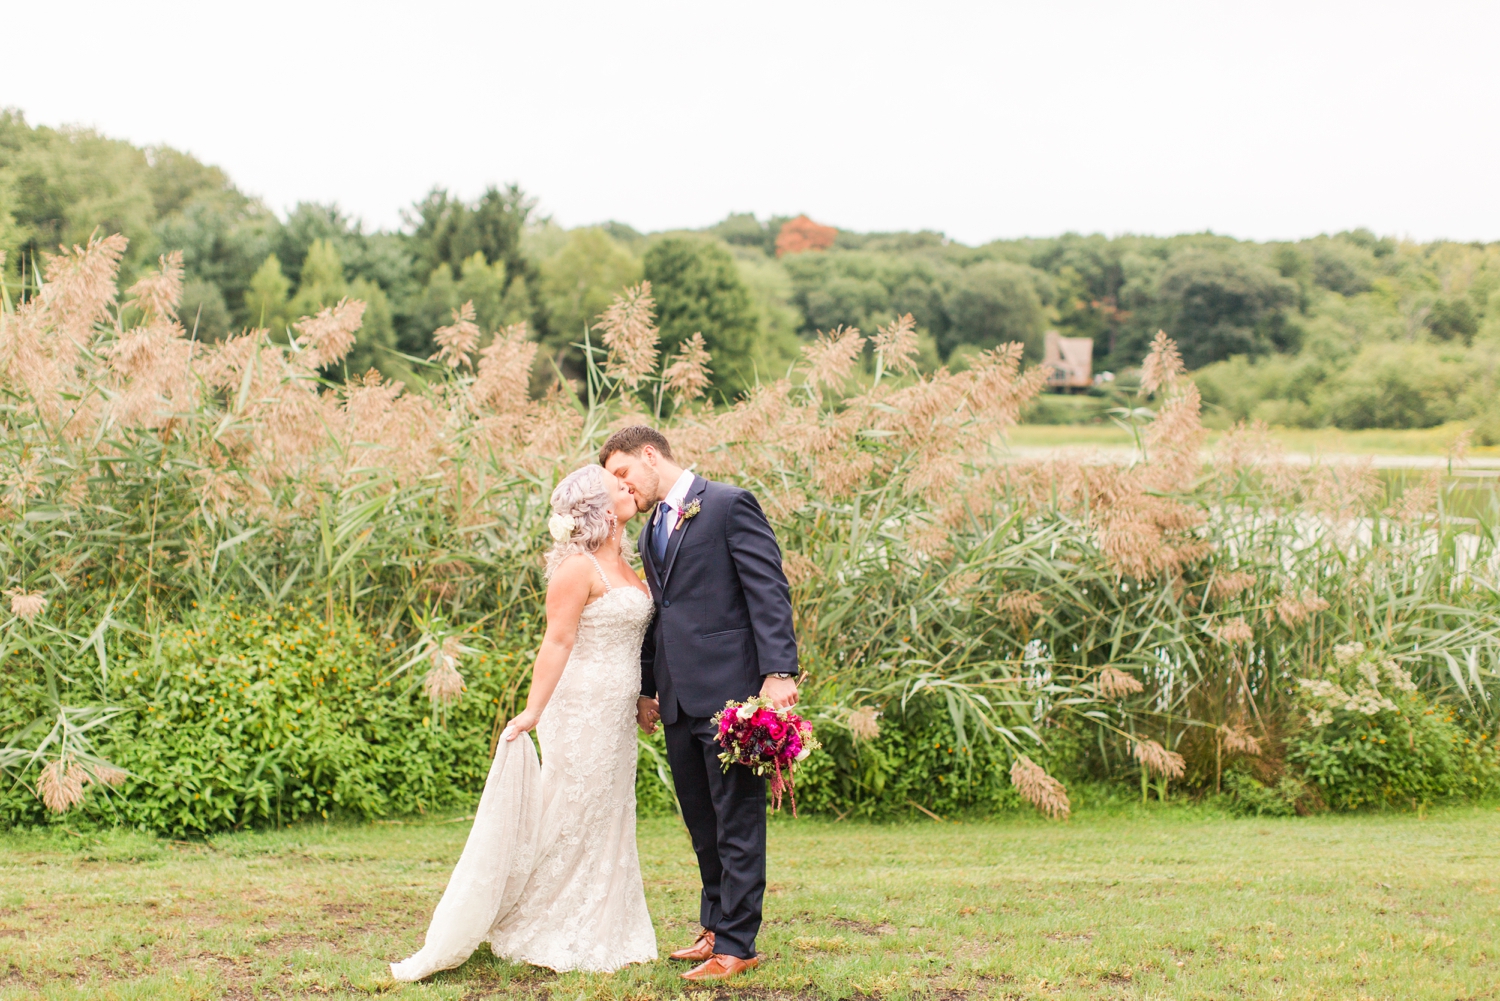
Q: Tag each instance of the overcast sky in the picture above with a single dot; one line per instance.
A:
(983, 120)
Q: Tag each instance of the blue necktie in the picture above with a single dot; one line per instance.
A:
(662, 533)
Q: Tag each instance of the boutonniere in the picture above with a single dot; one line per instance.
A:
(691, 511)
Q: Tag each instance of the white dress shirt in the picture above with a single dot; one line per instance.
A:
(673, 500)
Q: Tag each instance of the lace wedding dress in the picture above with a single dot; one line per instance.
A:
(549, 875)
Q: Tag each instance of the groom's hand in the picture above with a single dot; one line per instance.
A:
(780, 692)
(647, 712)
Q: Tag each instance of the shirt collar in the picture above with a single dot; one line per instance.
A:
(679, 491)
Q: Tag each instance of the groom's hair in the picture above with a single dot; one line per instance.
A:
(632, 439)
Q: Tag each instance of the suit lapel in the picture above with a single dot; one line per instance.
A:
(648, 556)
(674, 543)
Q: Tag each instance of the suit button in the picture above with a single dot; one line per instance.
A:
(666, 603)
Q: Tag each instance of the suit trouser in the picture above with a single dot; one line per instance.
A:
(725, 814)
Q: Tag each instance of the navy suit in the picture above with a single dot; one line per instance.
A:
(723, 622)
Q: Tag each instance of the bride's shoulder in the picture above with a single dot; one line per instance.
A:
(572, 571)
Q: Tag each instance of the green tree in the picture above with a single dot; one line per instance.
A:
(202, 310)
(267, 296)
(497, 301)
(57, 186)
(993, 303)
(448, 230)
(578, 282)
(321, 282)
(1220, 304)
(698, 289)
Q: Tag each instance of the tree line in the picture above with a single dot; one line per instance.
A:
(1351, 329)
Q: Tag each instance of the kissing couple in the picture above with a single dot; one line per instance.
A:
(550, 875)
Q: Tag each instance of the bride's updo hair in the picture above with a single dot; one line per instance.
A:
(582, 515)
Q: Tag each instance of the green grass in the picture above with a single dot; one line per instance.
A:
(1175, 903)
(1321, 441)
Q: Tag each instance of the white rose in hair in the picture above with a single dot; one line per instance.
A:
(561, 526)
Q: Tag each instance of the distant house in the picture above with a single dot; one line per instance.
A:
(1071, 360)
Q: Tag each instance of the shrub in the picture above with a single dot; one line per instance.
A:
(1395, 386)
(1250, 797)
(917, 760)
(1372, 739)
(243, 716)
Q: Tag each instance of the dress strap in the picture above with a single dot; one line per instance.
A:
(600, 569)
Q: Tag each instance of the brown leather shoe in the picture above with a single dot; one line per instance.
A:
(721, 967)
(701, 949)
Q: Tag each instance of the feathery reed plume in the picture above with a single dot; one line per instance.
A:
(630, 335)
(1230, 584)
(958, 583)
(798, 568)
(1338, 490)
(1235, 631)
(109, 775)
(1239, 740)
(456, 342)
(896, 343)
(1039, 789)
(60, 785)
(1114, 683)
(79, 291)
(158, 293)
(1162, 366)
(1458, 451)
(1420, 501)
(1293, 610)
(327, 337)
(504, 373)
(831, 358)
(864, 723)
(1021, 607)
(24, 605)
(443, 684)
(687, 378)
(1313, 602)
(1159, 760)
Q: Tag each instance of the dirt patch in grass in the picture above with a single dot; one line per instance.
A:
(863, 927)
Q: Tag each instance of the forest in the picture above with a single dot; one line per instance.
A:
(1349, 330)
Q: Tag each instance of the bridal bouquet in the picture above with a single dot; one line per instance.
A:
(767, 740)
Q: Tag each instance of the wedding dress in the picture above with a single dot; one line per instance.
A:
(549, 875)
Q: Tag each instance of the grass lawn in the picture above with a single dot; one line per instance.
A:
(1323, 441)
(1177, 903)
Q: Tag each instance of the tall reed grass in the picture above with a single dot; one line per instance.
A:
(1155, 615)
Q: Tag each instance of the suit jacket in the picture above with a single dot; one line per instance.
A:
(723, 608)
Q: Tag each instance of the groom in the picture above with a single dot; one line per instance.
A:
(722, 631)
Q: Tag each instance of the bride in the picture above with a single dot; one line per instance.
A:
(549, 875)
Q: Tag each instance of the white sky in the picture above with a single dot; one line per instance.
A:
(983, 120)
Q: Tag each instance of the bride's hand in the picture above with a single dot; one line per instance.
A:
(524, 723)
(647, 712)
